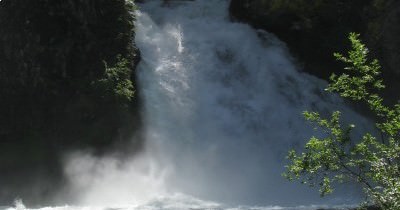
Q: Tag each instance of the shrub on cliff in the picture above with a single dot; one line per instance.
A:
(116, 83)
(372, 161)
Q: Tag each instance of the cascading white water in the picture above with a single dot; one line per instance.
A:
(222, 106)
(223, 103)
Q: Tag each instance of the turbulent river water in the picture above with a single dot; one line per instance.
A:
(222, 105)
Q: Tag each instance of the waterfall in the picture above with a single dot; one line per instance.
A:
(222, 105)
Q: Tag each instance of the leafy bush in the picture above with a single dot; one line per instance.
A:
(371, 161)
(116, 82)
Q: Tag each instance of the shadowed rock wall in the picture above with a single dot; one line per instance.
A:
(56, 93)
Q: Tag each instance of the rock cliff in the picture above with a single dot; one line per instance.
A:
(314, 30)
(66, 82)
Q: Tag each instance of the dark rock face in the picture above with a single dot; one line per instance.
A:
(52, 55)
(315, 29)
(383, 36)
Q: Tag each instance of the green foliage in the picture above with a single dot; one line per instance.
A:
(116, 82)
(336, 158)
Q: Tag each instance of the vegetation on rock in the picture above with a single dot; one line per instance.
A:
(372, 161)
(116, 83)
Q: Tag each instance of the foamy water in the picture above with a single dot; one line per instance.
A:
(175, 202)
